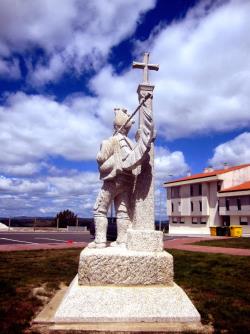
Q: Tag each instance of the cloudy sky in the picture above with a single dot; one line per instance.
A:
(64, 66)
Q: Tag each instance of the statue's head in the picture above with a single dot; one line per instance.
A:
(121, 117)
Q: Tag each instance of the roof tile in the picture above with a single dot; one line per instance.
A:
(207, 174)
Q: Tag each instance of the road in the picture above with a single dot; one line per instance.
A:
(7, 238)
(19, 238)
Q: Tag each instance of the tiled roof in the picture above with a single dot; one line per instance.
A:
(239, 187)
(207, 174)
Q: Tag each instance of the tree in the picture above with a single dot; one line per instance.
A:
(66, 218)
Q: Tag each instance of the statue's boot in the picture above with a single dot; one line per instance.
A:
(122, 227)
(101, 225)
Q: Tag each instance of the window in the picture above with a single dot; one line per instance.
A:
(192, 206)
(200, 204)
(194, 220)
(227, 204)
(239, 204)
(200, 189)
(172, 207)
(174, 221)
(243, 221)
(179, 206)
(175, 192)
(203, 221)
(182, 222)
(191, 190)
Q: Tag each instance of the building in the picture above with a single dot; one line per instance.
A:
(212, 198)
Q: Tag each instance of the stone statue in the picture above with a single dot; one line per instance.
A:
(134, 285)
(118, 160)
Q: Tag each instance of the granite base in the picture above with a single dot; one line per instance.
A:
(111, 304)
(122, 267)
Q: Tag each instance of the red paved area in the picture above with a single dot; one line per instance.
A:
(187, 244)
(21, 247)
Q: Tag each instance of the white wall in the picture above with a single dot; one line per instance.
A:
(181, 229)
(234, 178)
(214, 219)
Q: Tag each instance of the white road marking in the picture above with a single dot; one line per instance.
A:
(51, 239)
(26, 242)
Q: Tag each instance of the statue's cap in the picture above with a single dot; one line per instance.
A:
(121, 117)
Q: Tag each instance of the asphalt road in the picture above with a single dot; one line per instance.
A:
(19, 238)
(43, 237)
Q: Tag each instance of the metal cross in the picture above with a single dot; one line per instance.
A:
(145, 66)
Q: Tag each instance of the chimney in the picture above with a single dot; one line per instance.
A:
(208, 169)
(189, 173)
(225, 165)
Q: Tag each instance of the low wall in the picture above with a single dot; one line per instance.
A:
(76, 228)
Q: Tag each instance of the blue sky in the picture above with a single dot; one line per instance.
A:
(64, 66)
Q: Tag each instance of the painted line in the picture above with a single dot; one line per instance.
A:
(26, 242)
(51, 239)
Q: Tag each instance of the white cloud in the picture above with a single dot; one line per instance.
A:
(49, 195)
(28, 168)
(36, 127)
(169, 164)
(233, 152)
(204, 78)
(73, 34)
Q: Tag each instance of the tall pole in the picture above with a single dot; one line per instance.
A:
(160, 211)
(9, 223)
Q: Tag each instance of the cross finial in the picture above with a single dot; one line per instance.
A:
(145, 66)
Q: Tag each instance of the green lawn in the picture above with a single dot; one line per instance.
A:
(231, 243)
(217, 284)
(20, 272)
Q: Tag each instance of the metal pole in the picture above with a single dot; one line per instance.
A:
(34, 225)
(57, 223)
(160, 211)
(9, 224)
(77, 223)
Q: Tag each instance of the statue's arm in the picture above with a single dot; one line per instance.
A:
(144, 137)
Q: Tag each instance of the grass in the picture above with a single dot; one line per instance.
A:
(20, 273)
(231, 243)
(217, 284)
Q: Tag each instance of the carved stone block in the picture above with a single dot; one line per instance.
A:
(144, 240)
(117, 266)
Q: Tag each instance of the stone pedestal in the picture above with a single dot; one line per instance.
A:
(120, 267)
(144, 240)
(116, 285)
(119, 304)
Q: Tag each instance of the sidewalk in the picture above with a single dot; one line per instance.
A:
(187, 244)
